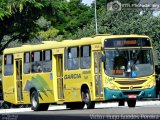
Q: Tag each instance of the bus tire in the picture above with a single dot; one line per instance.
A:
(131, 103)
(87, 99)
(81, 105)
(6, 105)
(35, 105)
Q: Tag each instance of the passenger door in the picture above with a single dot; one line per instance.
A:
(98, 74)
(59, 66)
(19, 79)
(58, 71)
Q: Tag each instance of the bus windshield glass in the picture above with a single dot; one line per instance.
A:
(130, 63)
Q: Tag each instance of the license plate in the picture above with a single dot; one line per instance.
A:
(132, 96)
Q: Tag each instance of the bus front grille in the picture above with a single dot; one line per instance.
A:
(128, 88)
(131, 82)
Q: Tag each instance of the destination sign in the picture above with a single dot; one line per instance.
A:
(127, 42)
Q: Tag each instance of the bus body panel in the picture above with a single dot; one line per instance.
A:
(73, 81)
(9, 89)
(43, 83)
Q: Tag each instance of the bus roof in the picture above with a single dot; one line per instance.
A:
(96, 39)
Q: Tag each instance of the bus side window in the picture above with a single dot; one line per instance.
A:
(73, 58)
(85, 57)
(47, 61)
(8, 65)
(27, 64)
(37, 62)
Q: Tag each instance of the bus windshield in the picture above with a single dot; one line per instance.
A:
(128, 62)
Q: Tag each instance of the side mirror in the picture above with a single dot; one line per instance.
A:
(157, 69)
(103, 58)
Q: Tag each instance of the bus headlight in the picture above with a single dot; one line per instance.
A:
(112, 86)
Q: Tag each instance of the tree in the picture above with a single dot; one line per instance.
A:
(14, 20)
(78, 15)
(18, 18)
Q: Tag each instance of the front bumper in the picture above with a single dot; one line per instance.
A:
(123, 94)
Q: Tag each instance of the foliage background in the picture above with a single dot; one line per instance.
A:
(31, 21)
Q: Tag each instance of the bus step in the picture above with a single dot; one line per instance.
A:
(20, 102)
(60, 102)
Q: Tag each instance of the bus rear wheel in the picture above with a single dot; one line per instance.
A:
(87, 99)
(35, 105)
(131, 103)
(5, 105)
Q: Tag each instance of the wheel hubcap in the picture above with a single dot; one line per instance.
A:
(85, 97)
(34, 101)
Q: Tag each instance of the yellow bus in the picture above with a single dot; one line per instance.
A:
(80, 72)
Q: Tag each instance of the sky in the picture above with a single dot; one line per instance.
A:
(88, 2)
(156, 13)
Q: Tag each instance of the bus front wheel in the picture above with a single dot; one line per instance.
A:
(87, 99)
(131, 103)
(35, 105)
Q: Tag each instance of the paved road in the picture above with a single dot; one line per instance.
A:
(149, 112)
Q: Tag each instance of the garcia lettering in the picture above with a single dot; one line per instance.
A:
(72, 76)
